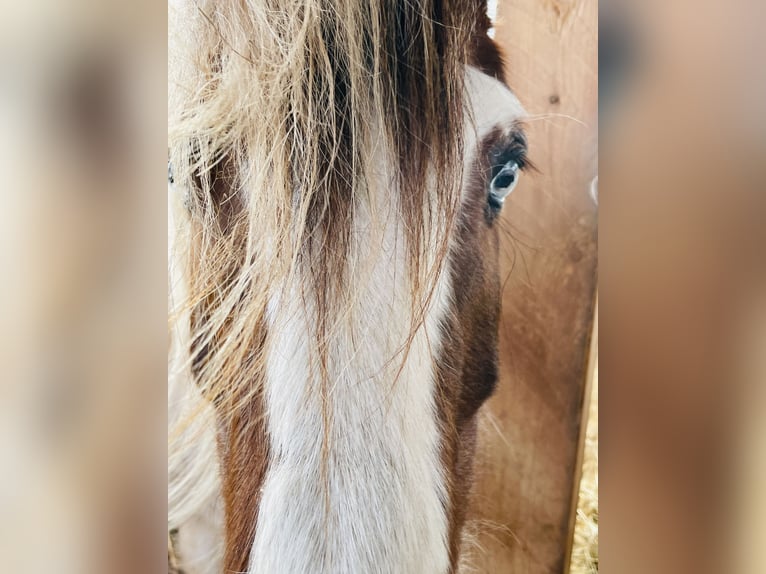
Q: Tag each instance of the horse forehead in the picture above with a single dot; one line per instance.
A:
(490, 103)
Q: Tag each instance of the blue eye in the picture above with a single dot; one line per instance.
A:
(503, 184)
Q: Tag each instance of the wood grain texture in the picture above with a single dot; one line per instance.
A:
(531, 432)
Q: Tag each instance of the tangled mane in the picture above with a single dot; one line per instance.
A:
(275, 106)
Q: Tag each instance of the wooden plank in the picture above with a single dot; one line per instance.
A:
(532, 430)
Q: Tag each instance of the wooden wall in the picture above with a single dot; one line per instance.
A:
(531, 436)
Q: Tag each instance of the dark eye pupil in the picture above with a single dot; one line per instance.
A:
(504, 180)
(503, 184)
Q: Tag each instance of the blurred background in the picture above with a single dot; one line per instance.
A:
(83, 298)
(682, 333)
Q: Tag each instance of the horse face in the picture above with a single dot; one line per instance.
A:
(361, 461)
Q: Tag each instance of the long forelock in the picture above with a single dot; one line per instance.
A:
(275, 110)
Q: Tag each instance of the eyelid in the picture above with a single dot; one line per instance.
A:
(514, 148)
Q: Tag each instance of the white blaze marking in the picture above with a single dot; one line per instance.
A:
(384, 511)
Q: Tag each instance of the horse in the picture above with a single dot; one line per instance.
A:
(339, 168)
